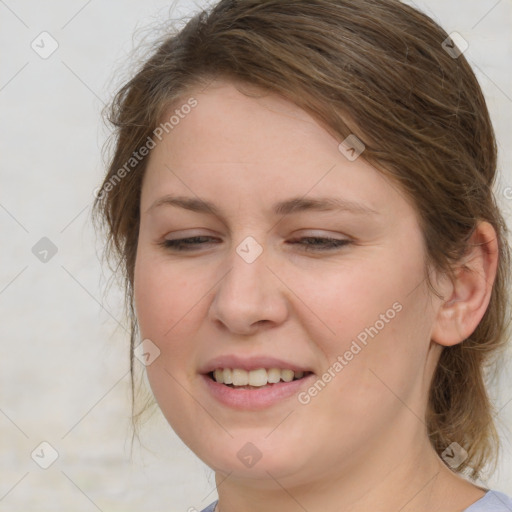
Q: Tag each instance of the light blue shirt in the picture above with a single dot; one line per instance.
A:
(492, 501)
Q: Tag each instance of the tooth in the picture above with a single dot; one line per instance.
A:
(274, 375)
(228, 376)
(258, 377)
(240, 377)
(287, 375)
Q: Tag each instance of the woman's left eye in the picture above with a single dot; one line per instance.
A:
(311, 243)
(323, 244)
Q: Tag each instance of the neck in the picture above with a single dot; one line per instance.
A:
(409, 478)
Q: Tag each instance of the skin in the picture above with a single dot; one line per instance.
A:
(361, 443)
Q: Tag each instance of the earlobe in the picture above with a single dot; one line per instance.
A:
(470, 292)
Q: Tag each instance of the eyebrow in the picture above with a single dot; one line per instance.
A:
(286, 207)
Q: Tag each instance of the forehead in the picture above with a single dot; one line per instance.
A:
(256, 149)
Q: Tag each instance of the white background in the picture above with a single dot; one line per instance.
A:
(64, 353)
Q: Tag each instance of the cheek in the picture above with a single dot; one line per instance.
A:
(167, 303)
(372, 366)
(376, 319)
(165, 298)
(351, 300)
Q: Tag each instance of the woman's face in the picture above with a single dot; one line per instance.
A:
(259, 290)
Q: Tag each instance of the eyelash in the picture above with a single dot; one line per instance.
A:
(327, 244)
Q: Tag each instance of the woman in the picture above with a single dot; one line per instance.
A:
(300, 198)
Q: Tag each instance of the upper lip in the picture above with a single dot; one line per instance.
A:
(250, 363)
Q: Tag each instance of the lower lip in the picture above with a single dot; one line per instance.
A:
(258, 398)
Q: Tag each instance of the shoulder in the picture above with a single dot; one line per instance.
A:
(493, 501)
(211, 507)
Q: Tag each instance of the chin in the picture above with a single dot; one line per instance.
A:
(254, 457)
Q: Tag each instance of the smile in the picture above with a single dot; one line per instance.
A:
(237, 377)
(253, 390)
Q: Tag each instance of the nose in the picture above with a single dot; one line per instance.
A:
(249, 297)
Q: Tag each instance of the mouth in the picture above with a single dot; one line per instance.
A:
(252, 383)
(261, 378)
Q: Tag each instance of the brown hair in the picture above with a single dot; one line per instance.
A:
(373, 68)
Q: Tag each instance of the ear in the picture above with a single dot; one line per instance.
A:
(466, 299)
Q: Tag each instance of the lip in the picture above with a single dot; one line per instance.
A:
(258, 398)
(250, 363)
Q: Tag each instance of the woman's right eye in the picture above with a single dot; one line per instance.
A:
(184, 244)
